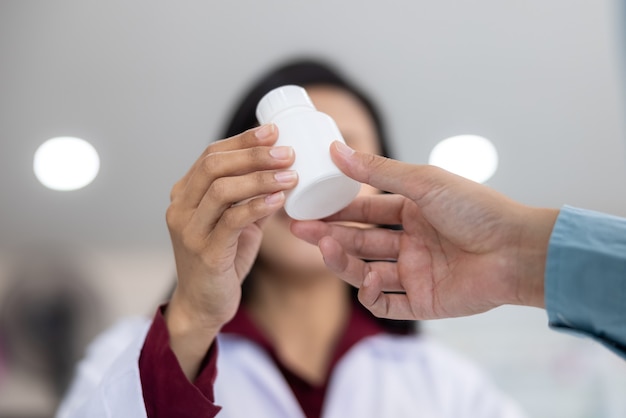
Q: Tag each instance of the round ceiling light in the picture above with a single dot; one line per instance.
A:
(66, 163)
(470, 156)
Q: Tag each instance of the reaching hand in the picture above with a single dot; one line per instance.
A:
(463, 247)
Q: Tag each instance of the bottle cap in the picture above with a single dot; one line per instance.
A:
(280, 99)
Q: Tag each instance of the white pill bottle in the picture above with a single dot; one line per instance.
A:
(322, 188)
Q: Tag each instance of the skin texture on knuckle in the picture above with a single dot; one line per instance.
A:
(219, 190)
(359, 241)
(231, 219)
(214, 146)
(172, 216)
(211, 162)
(257, 154)
(366, 209)
(371, 164)
(239, 217)
(258, 209)
(175, 191)
(247, 138)
(266, 180)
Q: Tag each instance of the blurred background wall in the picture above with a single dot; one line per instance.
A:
(148, 83)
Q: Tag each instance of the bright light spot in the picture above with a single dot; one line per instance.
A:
(470, 156)
(66, 163)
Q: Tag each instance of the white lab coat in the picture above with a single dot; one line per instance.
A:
(381, 376)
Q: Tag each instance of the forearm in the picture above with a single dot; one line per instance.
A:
(167, 391)
(189, 337)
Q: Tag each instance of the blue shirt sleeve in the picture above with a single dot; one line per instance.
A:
(585, 282)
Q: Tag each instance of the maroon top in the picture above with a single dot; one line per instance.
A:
(167, 392)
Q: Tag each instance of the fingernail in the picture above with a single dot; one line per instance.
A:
(264, 131)
(274, 198)
(281, 153)
(343, 149)
(287, 176)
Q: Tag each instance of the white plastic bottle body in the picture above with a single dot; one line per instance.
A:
(322, 188)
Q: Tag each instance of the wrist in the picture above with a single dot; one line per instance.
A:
(182, 321)
(190, 337)
(537, 225)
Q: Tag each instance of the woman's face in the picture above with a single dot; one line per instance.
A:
(280, 250)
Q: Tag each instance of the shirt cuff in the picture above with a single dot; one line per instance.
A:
(166, 390)
(584, 285)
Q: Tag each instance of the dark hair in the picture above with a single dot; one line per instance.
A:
(301, 72)
(308, 72)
